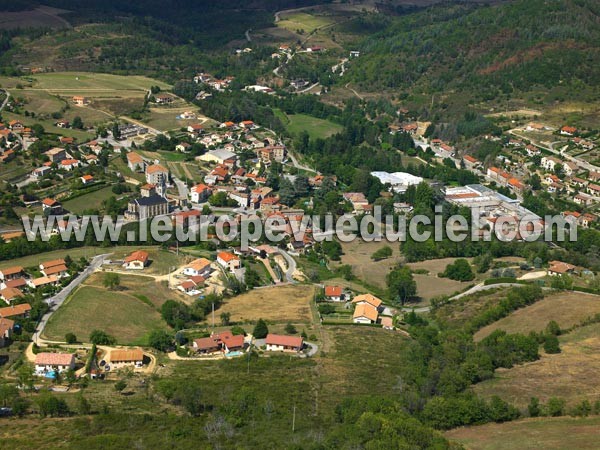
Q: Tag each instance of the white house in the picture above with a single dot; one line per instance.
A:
(123, 358)
(136, 261)
(229, 261)
(365, 314)
(200, 193)
(53, 362)
(198, 267)
(281, 343)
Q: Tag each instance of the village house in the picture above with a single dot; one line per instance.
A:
(20, 310)
(200, 193)
(224, 342)
(54, 268)
(91, 159)
(53, 207)
(470, 162)
(52, 363)
(550, 163)
(56, 154)
(270, 154)
(570, 168)
(19, 283)
(69, 164)
(587, 219)
(157, 175)
(192, 285)
(16, 126)
(532, 150)
(137, 260)
(593, 189)
(206, 345)
(198, 267)
(568, 131)
(80, 100)
(124, 358)
(6, 329)
(229, 261)
(558, 268)
(516, 186)
(10, 294)
(163, 99)
(367, 299)
(135, 162)
(11, 273)
(282, 343)
(185, 219)
(183, 147)
(364, 313)
(87, 179)
(357, 199)
(195, 129)
(334, 293)
(43, 281)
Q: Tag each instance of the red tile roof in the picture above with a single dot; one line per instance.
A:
(139, 255)
(285, 341)
(54, 359)
(15, 310)
(333, 291)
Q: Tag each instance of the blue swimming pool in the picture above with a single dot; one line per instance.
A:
(233, 354)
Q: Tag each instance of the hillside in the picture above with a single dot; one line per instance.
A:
(487, 51)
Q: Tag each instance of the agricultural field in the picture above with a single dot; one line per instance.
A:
(166, 118)
(86, 83)
(316, 128)
(13, 170)
(571, 374)
(303, 21)
(74, 253)
(566, 308)
(275, 304)
(358, 254)
(49, 126)
(93, 200)
(129, 313)
(549, 433)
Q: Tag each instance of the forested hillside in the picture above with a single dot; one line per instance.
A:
(487, 50)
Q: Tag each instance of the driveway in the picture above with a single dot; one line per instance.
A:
(57, 300)
(291, 263)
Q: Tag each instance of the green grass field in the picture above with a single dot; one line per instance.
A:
(547, 433)
(93, 200)
(316, 128)
(49, 126)
(119, 313)
(89, 82)
(303, 21)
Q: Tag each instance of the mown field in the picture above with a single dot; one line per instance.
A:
(303, 21)
(358, 254)
(93, 200)
(316, 128)
(566, 308)
(129, 314)
(571, 374)
(276, 304)
(550, 433)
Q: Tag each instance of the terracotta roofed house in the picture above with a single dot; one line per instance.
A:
(368, 299)
(136, 260)
(53, 362)
(11, 273)
(229, 260)
(198, 267)
(333, 293)
(278, 342)
(120, 358)
(21, 310)
(9, 294)
(365, 313)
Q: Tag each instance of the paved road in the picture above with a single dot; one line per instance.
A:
(297, 165)
(56, 301)
(248, 37)
(5, 100)
(291, 263)
(181, 187)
